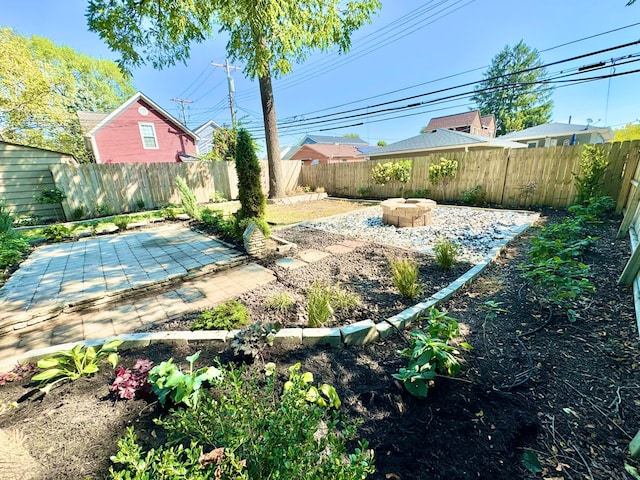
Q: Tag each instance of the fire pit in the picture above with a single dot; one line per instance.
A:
(410, 212)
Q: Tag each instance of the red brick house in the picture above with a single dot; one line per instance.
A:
(137, 131)
(467, 122)
(313, 154)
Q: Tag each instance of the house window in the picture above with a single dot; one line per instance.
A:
(148, 135)
(533, 144)
(343, 160)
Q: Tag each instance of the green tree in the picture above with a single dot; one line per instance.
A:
(382, 143)
(631, 131)
(42, 87)
(266, 35)
(224, 144)
(252, 201)
(510, 90)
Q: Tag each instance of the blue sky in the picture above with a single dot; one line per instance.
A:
(410, 48)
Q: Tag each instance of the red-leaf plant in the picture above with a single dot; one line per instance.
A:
(18, 372)
(132, 382)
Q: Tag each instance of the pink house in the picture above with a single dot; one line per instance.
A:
(318, 153)
(137, 131)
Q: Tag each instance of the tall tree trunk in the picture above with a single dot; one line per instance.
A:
(276, 185)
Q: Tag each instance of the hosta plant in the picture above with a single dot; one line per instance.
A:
(72, 364)
(168, 382)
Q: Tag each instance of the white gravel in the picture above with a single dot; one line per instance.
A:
(475, 230)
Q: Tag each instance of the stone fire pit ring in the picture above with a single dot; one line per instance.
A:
(410, 212)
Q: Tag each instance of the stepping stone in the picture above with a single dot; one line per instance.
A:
(290, 263)
(353, 243)
(311, 255)
(338, 249)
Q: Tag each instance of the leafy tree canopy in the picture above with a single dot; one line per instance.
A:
(510, 90)
(631, 131)
(266, 35)
(42, 87)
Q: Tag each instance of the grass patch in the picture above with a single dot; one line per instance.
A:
(300, 212)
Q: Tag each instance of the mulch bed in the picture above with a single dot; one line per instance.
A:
(576, 409)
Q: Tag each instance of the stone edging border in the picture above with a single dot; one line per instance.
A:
(359, 333)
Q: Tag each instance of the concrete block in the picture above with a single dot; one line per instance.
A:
(312, 255)
(288, 336)
(359, 333)
(217, 338)
(321, 336)
(338, 249)
(134, 340)
(290, 263)
(171, 338)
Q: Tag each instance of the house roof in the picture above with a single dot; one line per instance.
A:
(332, 150)
(205, 125)
(328, 139)
(138, 96)
(442, 139)
(452, 121)
(487, 120)
(72, 157)
(88, 120)
(556, 130)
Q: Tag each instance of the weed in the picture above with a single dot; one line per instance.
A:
(78, 213)
(363, 192)
(446, 253)
(227, 316)
(589, 181)
(473, 196)
(12, 248)
(6, 219)
(56, 233)
(140, 205)
(405, 277)
(104, 210)
(122, 221)
(217, 197)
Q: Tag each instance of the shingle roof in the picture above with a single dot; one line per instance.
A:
(486, 120)
(332, 150)
(328, 139)
(555, 129)
(205, 124)
(452, 121)
(441, 138)
(88, 120)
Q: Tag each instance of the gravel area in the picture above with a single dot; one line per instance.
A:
(475, 230)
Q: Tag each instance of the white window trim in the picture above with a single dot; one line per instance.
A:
(532, 142)
(155, 137)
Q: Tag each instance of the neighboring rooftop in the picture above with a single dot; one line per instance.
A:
(442, 139)
(88, 120)
(556, 129)
(452, 121)
(332, 140)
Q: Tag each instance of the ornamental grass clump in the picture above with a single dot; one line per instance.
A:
(280, 303)
(188, 198)
(446, 253)
(324, 300)
(405, 277)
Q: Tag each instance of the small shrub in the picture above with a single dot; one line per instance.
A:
(589, 181)
(132, 382)
(217, 197)
(170, 212)
(473, 196)
(12, 249)
(252, 200)
(446, 253)
(421, 193)
(50, 196)
(56, 233)
(281, 303)
(441, 173)
(122, 222)
(399, 171)
(363, 192)
(241, 226)
(405, 277)
(227, 316)
(253, 340)
(262, 430)
(78, 213)
(6, 219)
(72, 364)
(140, 204)
(188, 198)
(104, 210)
(168, 382)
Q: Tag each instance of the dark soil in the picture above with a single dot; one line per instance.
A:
(577, 407)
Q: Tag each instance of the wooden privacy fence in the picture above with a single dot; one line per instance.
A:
(511, 178)
(121, 186)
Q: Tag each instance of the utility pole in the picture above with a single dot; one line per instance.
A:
(231, 87)
(182, 101)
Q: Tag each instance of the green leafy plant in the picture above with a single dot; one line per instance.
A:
(12, 249)
(324, 300)
(56, 233)
(254, 339)
(72, 364)
(280, 303)
(78, 213)
(104, 210)
(227, 316)
(261, 430)
(140, 204)
(593, 209)
(441, 173)
(446, 253)
(363, 192)
(593, 165)
(421, 193)
(430, 355)
(261, 223)
(473, 196)
(168, 382)
(50, 196)
(399, 171)
(188, 198)
(405, 277)
(217, 197)
(122, 221)
(6, 219)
